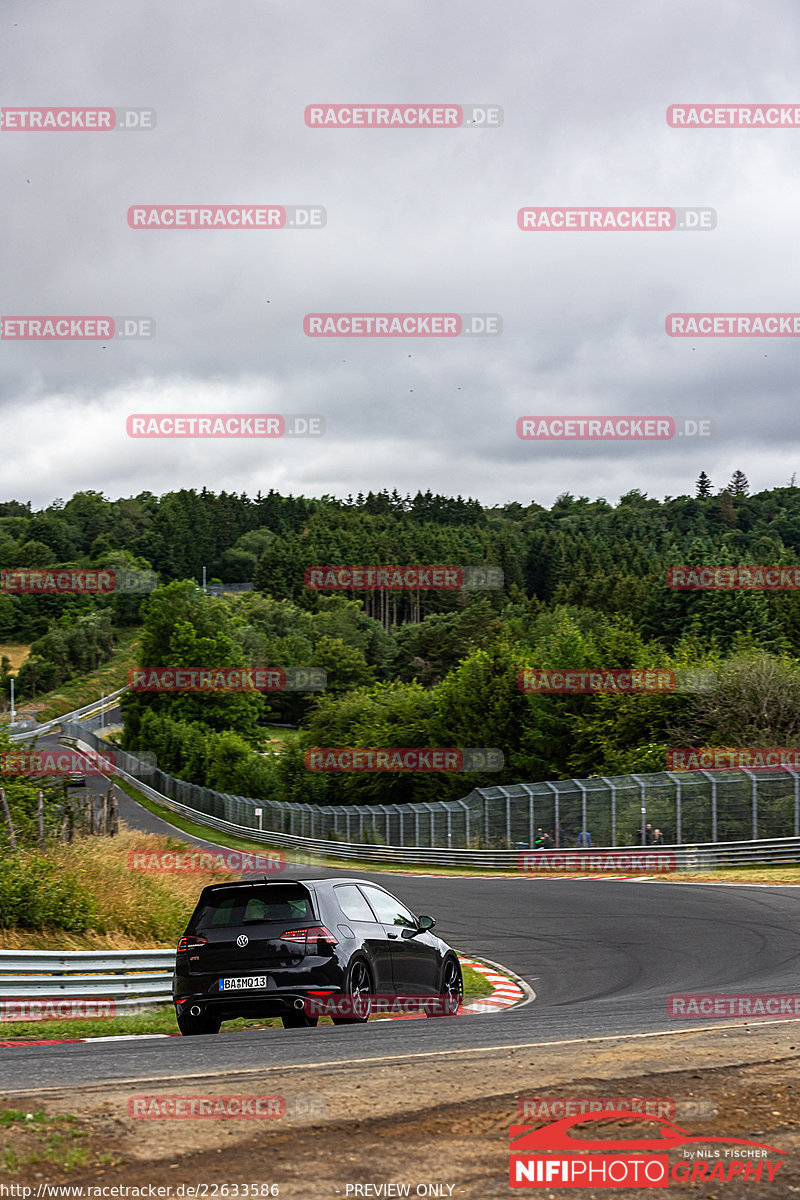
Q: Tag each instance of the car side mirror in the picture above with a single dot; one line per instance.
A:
(422, 926)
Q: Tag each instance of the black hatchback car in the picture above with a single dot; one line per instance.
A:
(277, 949)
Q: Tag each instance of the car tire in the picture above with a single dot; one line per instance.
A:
(191, 1026)
(298, 1020)
(358, 989)
(451, 988)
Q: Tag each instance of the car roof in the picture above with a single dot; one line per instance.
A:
(269, 881)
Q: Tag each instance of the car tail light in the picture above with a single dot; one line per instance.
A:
(313, 938)
(190, 943)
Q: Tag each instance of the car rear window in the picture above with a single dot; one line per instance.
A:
(239, 906)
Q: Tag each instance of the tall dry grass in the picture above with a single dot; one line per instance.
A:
(132, 909)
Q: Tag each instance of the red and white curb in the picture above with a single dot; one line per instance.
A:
(506, 993)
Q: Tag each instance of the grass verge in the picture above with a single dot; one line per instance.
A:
(34, 1138)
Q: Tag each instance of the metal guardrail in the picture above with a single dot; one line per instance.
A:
(96, 706)
(134, 979)
(705, 856)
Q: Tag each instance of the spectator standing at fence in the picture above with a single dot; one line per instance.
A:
(648, 835)
(584, 838)
(658, 838)
(547, 842)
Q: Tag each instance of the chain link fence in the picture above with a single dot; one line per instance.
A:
(691, 808)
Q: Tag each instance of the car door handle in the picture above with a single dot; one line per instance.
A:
(393, 935)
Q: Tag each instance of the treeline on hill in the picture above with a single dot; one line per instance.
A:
(584, 586)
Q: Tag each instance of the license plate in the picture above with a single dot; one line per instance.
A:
(243, 984)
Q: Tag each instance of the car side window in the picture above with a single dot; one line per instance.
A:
(353, 904)
(389, 911)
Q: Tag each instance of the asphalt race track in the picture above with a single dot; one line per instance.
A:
(601, 955)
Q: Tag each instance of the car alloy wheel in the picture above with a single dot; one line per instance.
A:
(358, 989)
(452, 990)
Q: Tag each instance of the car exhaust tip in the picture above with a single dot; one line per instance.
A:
(299, 1004)
(195, 1010)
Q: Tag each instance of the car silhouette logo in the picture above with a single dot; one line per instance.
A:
(556, 1136)
(242, 940)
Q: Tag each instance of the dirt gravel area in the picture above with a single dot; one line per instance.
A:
(438, 1124)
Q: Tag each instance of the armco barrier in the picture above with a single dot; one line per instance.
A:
(700, 857)
(96, 706)
(133, 979)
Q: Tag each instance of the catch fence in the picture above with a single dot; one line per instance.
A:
(691, 808)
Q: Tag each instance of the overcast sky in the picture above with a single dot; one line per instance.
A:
(417, 221)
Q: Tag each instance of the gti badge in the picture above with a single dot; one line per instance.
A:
(242, 940)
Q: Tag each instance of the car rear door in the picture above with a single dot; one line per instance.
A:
(415, 961)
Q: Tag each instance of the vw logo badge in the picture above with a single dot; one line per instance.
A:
(242, 940)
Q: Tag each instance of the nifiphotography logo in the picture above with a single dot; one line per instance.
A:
(549, 1157)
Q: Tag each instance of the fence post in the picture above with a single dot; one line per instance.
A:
(583, 804)
(554, 790)
(486, 819)
(7, 814)
(796, 778)
(713, 804)
(465, 806)
(644, 807)
(40, 817)
(678, 813)
(113, 814)
(608, 783)
(754, 796)
(531, 819)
